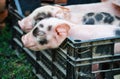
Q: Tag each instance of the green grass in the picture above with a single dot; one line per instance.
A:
(11, 66)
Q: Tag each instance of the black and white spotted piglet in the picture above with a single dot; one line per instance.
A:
(40, 13)
(51, 32)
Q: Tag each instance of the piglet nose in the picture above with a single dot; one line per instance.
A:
(21, 24)
(27, 42)
(26, 24)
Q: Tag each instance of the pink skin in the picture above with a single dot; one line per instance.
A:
(72, 13)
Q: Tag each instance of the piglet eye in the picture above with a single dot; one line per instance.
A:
(35, 32)
(40, 18)
(41, 25)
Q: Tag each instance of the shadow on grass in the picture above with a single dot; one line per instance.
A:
(12, 67)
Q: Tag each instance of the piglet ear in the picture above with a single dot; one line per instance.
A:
(63, 8)
(62, 29)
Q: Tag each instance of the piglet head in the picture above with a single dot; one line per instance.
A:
(40, 13)
(45, 35)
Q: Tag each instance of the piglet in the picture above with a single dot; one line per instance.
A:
(51, 32)
(38, 14)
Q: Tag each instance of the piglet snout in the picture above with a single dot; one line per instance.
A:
(28, 41)
(26, 24)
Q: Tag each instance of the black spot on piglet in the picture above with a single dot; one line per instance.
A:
(90, 14)
(49, 27)
(37, 32)
(99, 17)
(90, 21)
(42, 15)
(108, 18)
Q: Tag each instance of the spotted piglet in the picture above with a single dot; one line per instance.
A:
(51, 32)
(40, 13)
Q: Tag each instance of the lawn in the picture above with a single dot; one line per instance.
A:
(12, 66)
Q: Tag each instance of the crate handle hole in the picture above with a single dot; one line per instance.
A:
(77, 40)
